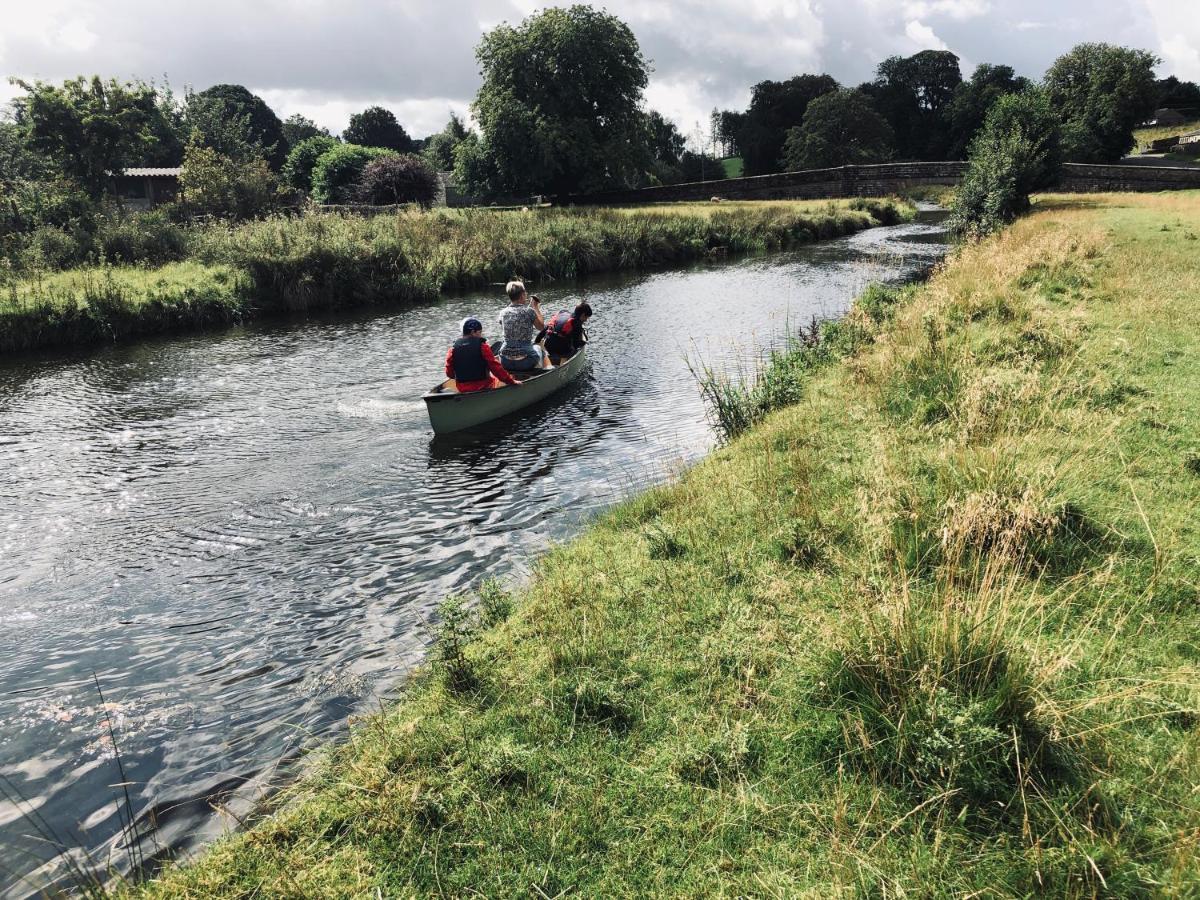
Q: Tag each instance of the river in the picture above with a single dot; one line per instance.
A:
(241, 536)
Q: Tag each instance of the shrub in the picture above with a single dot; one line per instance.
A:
(1016, 153)
(149, 237)
(337, 172)
(212, 184)
(47, 247)
(398, 179)
(297, 170)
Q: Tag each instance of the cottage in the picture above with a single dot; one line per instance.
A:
(145, 188)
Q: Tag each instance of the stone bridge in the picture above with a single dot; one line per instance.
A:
(887, 178)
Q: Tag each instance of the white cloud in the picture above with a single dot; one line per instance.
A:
(329, 58)
(923, 37)
(955, 9)
(1178, 28)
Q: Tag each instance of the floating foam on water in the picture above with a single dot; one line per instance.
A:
(376, 408)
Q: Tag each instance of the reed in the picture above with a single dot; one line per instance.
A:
(322, 260)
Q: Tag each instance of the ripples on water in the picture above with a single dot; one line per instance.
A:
(244, 534)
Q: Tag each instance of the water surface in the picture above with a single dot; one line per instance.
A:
(241, 536)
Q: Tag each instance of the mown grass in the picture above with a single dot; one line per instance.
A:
(930, 630)
(326, 260)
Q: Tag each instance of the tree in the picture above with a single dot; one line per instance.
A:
(398, 178)
(729, 124)
(1101, 92)
(666, 143)
(972, 100)
(699, 167)
(211, 183)
(337, 172)
(237, 124)
(1171, 93)
(90, 127)
(1018, 151)
(297, 170)
(297, 128)
(841, 128)
(377, 127)
(914, 94)
(559, 108)
(776, 106)
(440, 147)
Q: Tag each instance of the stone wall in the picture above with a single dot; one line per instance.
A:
(882, 180)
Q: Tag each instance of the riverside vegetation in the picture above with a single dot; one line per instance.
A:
(211, 274)
(928, 626)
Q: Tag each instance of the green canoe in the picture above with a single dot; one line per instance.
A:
(451, 411)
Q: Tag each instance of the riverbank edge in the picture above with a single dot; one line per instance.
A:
(656, 715)
(236, 284)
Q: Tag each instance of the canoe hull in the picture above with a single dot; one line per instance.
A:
(450, 411)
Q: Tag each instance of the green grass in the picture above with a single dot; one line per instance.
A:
(734, 167)
(930, 630)
(324, 260)
(1144, 136)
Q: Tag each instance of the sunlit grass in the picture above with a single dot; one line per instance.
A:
(1145, 136)
(928, 631)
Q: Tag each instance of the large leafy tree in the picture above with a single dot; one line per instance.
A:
(439, 148)
(377, 127)
(839, 129)
(559, 108)
(297, 128)
(1101, 92)
(914, 94)
(1171, 93)
(974, 98)
(776, 106)
(237, 124)
(1018, 151)
(90, 127)
(666, 143)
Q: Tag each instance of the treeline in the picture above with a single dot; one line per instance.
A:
(561, 110)
(920, 107)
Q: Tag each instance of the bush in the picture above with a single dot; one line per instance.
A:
(213, 184)
(398, 179)
(47, 247)
(149, 237)
(297, 171)
(337, 172)
(1017, 152)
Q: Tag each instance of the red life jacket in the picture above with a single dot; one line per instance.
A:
(562, 324)
(469, 364)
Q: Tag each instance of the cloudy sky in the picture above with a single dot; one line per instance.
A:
(329, 58)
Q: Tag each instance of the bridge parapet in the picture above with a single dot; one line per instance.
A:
(884, 179)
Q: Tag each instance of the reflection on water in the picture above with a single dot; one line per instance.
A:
(243, 534)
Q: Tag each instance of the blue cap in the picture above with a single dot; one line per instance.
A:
(471, 324)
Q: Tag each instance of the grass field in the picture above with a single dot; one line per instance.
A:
(328, 260)
(733, 167)
(932, 630)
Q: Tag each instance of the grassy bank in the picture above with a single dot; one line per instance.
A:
(325, 260)
(931, 630)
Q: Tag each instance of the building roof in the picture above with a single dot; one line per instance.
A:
(153, 172)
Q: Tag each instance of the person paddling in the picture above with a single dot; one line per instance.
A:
(519, 321)
(471, 363)
(564, 332)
